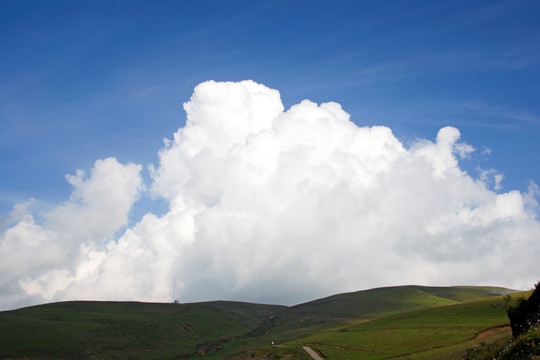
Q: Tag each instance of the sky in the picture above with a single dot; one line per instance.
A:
(272, 152)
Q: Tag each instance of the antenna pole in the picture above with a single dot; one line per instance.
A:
(174, 290)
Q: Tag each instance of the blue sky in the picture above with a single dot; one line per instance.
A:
(82, 81)
(90, 79)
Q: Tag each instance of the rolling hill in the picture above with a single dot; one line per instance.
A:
(221, 329)
(418, 334)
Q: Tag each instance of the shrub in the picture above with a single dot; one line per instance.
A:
(525, 313)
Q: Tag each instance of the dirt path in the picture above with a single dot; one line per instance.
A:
(312, 353)
(491, 331)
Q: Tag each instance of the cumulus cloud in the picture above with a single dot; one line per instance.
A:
(40, 259)
(269, 205)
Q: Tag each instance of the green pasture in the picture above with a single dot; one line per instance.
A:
(412, 322)
(411, 334)
(124, 329)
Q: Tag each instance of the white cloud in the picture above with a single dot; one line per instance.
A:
(492, 176)
(280, 206)
(38, 260)
(100, 204)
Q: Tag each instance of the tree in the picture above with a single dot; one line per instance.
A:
(525, 313)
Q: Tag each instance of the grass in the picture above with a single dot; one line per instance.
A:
(410, 321)
(526, 347)
(124, 330)
(411, 334)
(273, 353)
(305, 319)
(391, 300)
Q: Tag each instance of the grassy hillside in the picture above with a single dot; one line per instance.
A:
(443, 332)
(125, 330)
(526, 346)
(304, 319)
(216, 330)
(389, 300)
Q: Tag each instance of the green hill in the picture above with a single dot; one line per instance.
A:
(217, 330)
(124, 330)
(387, 300)
(421, 334)
(302, 320)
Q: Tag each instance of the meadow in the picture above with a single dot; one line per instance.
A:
(405, 322)
(420, 334)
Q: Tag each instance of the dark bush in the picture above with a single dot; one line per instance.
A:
(525, 313)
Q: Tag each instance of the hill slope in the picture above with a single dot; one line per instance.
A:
(95, 330)
(301, 320)
(413, 334)
(387, 300)
(125, 329)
